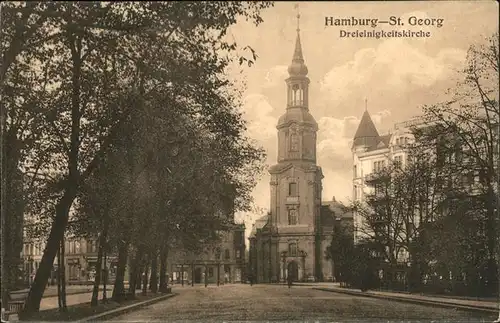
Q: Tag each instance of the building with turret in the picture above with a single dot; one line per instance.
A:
(290, 240)
(372, 152)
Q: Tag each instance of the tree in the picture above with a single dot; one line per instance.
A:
(470, 119)
(93, 61)
(341, 252)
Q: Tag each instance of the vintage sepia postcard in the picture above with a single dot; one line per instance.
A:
(250, 161)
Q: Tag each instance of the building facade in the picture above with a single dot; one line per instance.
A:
(80, 259)
(223, 263)
(291, 240)
(371, 152)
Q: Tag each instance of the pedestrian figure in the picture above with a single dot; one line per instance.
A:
(290, 281)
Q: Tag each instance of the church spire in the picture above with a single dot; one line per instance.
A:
(298, 68)
(297, 54)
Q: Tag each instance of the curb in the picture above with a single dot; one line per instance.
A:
(125, 309)
(474, 308)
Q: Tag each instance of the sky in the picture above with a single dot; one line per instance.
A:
(396, 76)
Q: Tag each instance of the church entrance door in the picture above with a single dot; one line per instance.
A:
(293, 270)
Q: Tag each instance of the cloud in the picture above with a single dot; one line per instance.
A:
(395, 65)
(257, 110)
(334, 148)
(379, 116)
(276, 76)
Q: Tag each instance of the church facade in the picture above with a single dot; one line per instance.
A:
(292, 238)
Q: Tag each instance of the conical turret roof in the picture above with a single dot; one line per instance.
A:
(366, 127)
(367, 134)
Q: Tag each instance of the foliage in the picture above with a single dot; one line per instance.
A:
(86, 82)
(440, 209)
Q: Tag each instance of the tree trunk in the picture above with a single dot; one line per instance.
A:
(59, 278)
(153, 282)
(53, 242)
(119, 287)
(145, 278)
(102, 242)
(163, 270)
(138, 278)
(63, 280)
(97, 282)
(135, 271)
(131, 276)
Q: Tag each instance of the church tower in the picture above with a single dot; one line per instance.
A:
(294, 216)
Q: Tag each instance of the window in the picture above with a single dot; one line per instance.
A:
(294, 139)
(469, 178)
(292, 249)
(398, 161)
(355, 192)
(238, 254)
(210, 272)
(292, 189)
(92, 246)
(378, 165)
(227, 254)
(77, 246)
(297, 95)
(292, 217)
(355, 171)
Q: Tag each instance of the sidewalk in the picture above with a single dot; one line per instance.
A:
(51, 291)
(484, 305)
(80, 310)
(50, 302)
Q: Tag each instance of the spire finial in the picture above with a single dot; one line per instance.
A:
(366, 104)
(298, 17)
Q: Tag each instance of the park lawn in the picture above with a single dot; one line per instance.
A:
(84, 310)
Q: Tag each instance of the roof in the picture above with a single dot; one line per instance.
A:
(366, 127)
(382, 142)
(333, 210)
(298, 115)
(366, 134)
(259, 224)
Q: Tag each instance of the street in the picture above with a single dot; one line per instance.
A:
(277, 302)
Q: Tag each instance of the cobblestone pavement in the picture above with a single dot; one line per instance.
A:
(277, 302)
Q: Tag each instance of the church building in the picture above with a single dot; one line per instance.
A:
(292, 238)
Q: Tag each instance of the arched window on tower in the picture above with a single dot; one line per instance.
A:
(297, 95)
